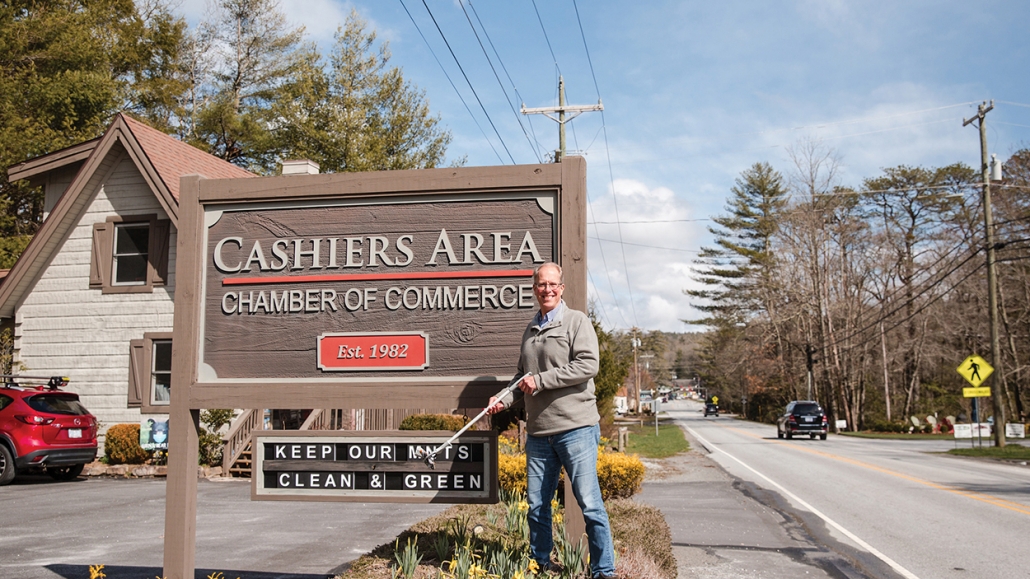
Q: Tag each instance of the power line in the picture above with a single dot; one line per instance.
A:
(461, 98)
(518, 117)
(600, 303)
(472, 88)
(643, 245)
(505, 69)
(608, 156)
(546, 39)
(648, 221)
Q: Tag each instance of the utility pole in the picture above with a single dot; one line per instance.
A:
(636, 369)
(562, 109)
(997, 396)
(647, 367)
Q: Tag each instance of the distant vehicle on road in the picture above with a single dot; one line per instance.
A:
(712, 409)
(802, 417)
(44, 428)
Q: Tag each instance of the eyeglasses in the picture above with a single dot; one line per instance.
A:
(548, 285)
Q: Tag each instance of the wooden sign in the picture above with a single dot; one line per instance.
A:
(362, 466)
(393, 289)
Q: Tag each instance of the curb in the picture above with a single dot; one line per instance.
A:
(99, 469)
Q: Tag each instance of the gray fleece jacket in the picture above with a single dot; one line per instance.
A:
(563, 358)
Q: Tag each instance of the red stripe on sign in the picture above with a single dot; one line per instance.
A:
(377, 277)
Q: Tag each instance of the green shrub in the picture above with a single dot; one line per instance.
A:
(433, 422)
(878, 425)
(121, 445)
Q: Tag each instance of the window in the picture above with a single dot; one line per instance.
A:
(150, 373)
(129, 254)
(4, 401)
(129, 266)
(57, 403)
(161, 373)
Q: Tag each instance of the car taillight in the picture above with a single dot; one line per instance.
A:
(34, 419)
(793, 418)
(824, 419)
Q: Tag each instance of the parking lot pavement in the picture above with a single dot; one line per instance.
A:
(57, 530)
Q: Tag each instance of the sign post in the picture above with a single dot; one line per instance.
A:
(394, 289)
(975, 370)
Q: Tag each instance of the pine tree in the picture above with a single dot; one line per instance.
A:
(737, 272)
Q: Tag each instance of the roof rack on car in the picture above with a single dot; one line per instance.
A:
(52, 382)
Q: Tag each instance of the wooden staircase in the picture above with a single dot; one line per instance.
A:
(237, 455)
(243, 465)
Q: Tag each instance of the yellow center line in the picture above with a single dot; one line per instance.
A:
(984, 498)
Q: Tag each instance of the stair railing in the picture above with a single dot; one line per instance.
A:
(237, 439)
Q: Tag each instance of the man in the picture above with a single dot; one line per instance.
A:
(560, 353)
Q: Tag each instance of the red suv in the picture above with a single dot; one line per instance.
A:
(42, 427)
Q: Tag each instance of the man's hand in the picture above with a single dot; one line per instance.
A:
(528, 384)
(494, 406)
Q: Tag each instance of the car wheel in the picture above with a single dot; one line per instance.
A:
(790, 435)
(7, 470)
(65, 472)
(822, 437)
(779, 433)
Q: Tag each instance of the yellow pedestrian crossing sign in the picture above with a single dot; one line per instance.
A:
(975, 370)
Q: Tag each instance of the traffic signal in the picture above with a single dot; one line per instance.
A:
(810, 355)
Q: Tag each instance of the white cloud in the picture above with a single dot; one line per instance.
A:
(653, 261)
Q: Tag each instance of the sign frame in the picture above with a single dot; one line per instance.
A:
(566, 181)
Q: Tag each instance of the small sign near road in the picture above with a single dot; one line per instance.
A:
(982, 392)
(975, 370)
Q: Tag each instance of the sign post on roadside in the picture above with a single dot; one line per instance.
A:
(975, 370)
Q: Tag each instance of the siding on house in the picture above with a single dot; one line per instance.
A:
(65, 328)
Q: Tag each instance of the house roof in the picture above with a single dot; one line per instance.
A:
(34, 169)
(172, 158)
(160, 158)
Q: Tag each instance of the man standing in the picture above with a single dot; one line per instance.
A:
(560, 353)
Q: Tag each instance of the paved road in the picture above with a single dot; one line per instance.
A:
(56, 530)
(897, 508)
(756, 507)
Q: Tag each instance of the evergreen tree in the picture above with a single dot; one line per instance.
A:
(359, 114)
(737, 272)
(612, 371)
(66, 66)
(253, 58)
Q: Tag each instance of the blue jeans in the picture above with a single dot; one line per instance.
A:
(576, 450)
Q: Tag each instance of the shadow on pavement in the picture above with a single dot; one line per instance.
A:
(127, 572)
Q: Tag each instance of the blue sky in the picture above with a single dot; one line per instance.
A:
(695, 93)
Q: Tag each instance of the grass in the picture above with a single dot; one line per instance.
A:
(898, 435)
(669, 442)
(1009, 452)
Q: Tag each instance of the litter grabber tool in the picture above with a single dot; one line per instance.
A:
(430, 457)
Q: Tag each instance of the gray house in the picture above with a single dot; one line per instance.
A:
(92, 296)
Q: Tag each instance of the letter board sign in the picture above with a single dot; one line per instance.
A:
(367, 466)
